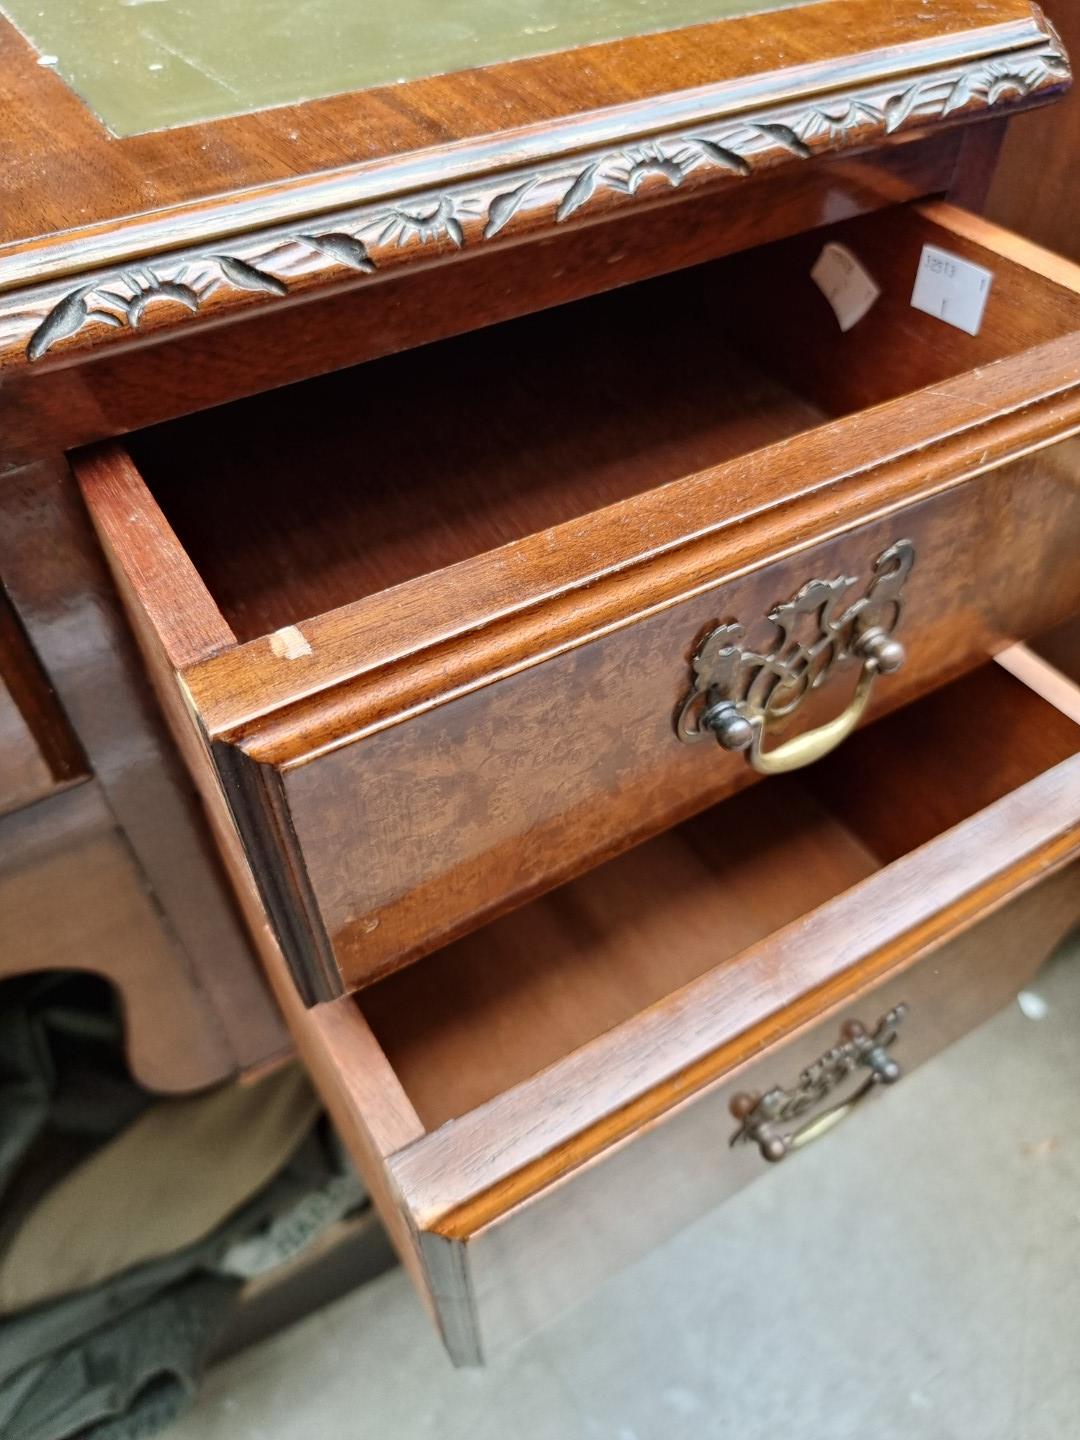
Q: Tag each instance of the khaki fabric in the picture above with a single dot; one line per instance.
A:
(164, 1183)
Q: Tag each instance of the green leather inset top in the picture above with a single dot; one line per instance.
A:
(149, 64)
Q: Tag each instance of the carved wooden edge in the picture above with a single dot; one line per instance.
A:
(475, 1169)
(737, 132)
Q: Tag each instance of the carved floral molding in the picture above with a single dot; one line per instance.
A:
(376, 239)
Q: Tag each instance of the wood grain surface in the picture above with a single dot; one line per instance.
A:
(385, 473)
(520, 1202)
(494, 1009)
(630, 120)
(1061, 646)
(359, 743)
(1034, 187)
(952, 764)
(94, 180)
(445, 453)
(459, 1177)
(420, 630)
(489, 1012)
(551, 1251)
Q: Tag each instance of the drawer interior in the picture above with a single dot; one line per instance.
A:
(301, 501)
(1061, 648)
(497, 1007)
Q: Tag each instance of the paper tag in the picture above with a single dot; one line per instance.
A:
(841, 278)
(952, 289)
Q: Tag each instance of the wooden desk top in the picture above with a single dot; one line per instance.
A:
(109, 241)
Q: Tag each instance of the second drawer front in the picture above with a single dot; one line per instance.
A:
(428, 826)
(548, 1253)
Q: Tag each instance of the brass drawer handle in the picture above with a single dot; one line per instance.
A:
(740, 696)
(762, 1117)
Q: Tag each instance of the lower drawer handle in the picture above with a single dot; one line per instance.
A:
(740, 696)
(763, 1117)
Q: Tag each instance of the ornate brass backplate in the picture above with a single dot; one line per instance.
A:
(739, 695)
(762, 1116)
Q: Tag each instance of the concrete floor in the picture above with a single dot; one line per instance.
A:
(916, 1276)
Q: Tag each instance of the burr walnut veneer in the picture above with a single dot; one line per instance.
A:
(603, 677)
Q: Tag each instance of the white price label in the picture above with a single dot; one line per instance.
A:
(845, 283)
(952, 289)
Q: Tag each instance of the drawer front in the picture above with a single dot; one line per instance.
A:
(384, 846)
(542, 1256)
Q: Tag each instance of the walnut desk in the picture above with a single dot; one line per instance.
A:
(581, 499)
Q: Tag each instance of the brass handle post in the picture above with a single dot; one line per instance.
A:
(740, 696)
(767, 1120)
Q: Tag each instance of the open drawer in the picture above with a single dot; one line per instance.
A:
(1061, 647)
(440, 626)
(541, 1101)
